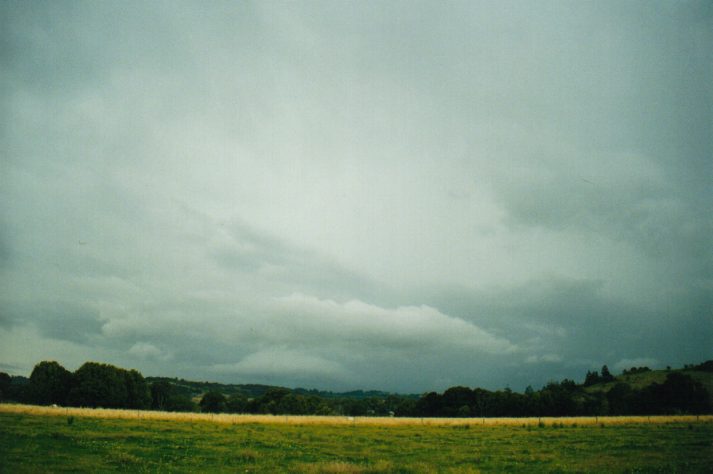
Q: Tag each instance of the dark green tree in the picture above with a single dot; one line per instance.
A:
(180, 402)
(606, 375)
(161, 392)
(591, 378)
(5, 383)
(99, 385)
(482, 401)
(621, 399)
(355, 407)
(292, 404)
(454, 399)
(137, 390)
(49, 383)
(428, 405)
(681, 394)
(269, 401)
(236, 403)
(213, 402)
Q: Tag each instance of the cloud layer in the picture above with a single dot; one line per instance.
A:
(373, 195)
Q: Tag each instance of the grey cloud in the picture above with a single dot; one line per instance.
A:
(281, 364)
(423, 327)
(587, 327)
(246, 249)
(13, 369)
(392, 195)
(56, 320)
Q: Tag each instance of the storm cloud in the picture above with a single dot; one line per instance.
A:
(391, 195)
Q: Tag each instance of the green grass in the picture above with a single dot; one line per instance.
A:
(36, 443)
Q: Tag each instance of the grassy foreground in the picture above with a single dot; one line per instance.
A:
(61, 442)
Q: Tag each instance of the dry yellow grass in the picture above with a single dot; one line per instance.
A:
(340, 420)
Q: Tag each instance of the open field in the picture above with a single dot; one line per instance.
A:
(342, 420)
(45, 439)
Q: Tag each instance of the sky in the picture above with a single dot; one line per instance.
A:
(401, 196)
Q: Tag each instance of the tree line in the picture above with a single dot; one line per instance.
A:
(104, 385)
(92, 385)
(678, 394)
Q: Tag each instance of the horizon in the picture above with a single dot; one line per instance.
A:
(688, 366)
(346, 195)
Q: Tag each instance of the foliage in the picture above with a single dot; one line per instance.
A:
(606, 375)
(165, 396)
(5, 383)
(236, 403)
(99, 385)
(706, 366)
(213, 402)
(161, 391)
(49, 383)
(635, 370)
(678, 394)
(92, 385)
(638, 391)
(138, 394)
(593, 378)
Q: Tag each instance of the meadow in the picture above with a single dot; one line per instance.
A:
(55, 439)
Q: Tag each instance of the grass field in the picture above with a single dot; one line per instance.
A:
(36, 439)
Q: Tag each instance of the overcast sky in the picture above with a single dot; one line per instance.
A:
(401, 196)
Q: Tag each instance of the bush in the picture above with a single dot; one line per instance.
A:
(213, 402)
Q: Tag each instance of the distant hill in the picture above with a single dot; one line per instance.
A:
(352, 395)
(638, 390)
(193, 389)
(702, 373)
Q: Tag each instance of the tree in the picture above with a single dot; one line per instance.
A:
(591, 378)
(454, 399)
(292, 404)
(160, 394)
(429, 404)
(137, 391)
(606, 375)
(180, 403)
(99, 385)
(213, 402)
(620, 399)
(236, 403)
(482, 401)
(49, 383)
(557, 399)
(682, 394)
(269, 401)
(355, 407)
(5, 382)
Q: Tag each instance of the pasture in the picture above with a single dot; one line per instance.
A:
(46, 439)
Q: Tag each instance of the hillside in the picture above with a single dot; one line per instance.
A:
(643, 379)
(192, 389)
(637, 391)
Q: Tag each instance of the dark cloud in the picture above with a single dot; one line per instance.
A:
(380, 195)
(575, 324)
(56, 320)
